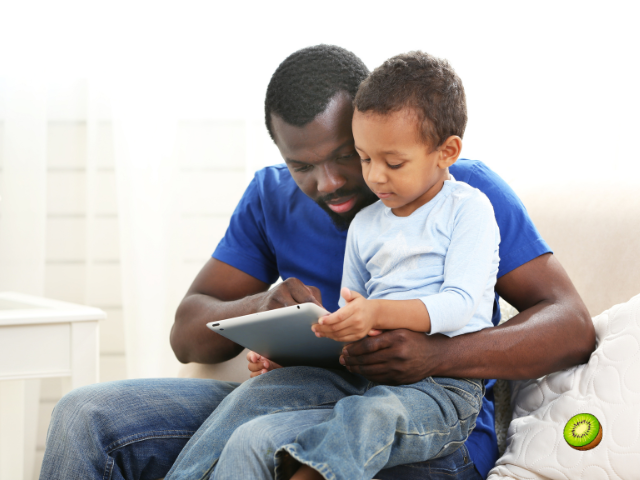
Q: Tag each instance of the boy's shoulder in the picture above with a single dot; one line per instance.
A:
(466, 197)
(367, 216)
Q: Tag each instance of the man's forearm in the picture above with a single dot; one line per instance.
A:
(553, 330)
(192, 341)
(543, 339)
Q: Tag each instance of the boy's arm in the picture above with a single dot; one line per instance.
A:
(470, 268)
(553, 331)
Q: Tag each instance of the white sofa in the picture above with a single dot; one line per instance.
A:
(594, 230)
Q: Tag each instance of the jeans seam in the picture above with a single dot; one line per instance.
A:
(304, 407)
(123, 442)
(108, 469)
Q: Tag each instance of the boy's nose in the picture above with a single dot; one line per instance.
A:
(376, 173)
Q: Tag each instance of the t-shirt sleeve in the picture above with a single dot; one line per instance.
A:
(246, 245)
(470, 266)
(354, 272)
(520, 241)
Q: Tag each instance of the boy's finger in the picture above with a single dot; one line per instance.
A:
(253, 357)
(346, 294)
(254, 367)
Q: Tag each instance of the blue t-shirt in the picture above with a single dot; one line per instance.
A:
(277, 231)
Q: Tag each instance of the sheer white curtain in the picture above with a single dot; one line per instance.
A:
(23, 187)
(148, 187)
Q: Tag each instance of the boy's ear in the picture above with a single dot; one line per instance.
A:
(449, 151)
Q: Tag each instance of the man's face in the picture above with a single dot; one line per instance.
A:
(323, 161)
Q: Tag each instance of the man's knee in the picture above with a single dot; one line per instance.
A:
(82, 406)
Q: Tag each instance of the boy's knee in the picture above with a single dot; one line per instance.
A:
(254, 438)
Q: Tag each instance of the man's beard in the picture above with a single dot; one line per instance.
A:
(365, 198)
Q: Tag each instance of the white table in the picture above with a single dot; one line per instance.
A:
(39, 338)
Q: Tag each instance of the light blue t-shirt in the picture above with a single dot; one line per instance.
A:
(445, 253)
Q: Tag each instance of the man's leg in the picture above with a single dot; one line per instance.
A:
(131, 429)
(389, 426)
(250, 452)
(282, 390)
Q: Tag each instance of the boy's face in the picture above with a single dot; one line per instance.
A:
(403, 171)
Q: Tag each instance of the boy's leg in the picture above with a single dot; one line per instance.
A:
(390, 426)
(282, 390)
(131, 429)
(250, 452)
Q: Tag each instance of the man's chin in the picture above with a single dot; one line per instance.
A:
(342, 221)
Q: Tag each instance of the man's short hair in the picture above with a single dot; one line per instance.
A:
(424, 83)
(305, 82)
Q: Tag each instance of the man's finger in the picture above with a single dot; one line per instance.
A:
(369, 345)
(302, 293)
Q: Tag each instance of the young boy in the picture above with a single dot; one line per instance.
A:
(424, 258)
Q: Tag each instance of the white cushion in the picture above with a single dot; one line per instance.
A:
(608, 387)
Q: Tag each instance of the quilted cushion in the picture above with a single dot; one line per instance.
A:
(608, 387)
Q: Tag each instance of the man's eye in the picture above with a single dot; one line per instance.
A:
(303, 169)
(348, 156)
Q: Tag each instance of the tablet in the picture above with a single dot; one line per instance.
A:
(283, 335)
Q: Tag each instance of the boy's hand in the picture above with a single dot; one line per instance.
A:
(352, 322)
(259, 364)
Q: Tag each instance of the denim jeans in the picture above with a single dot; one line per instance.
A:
(135, 429)
(370, 426)
(249, 452)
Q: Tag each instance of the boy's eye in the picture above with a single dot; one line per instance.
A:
(365, 160)
(394, 167)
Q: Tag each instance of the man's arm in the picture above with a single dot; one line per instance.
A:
(221, 291)
(553, 331)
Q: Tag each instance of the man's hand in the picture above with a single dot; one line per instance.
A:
(221, 291)
(259, 364)
(290, 292)
(395, 357)
(352, 322)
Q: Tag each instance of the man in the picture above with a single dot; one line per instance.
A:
(136, 429)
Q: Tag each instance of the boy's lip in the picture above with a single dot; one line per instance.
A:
(342, 205)
(383, 194)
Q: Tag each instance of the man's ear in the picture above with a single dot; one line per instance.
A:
(449, 151)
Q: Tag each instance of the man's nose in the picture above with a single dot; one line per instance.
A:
(329, 179)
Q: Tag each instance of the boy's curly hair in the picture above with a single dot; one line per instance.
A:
(424, 83)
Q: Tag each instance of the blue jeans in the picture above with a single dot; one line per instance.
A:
(370, 426)
(135, 429)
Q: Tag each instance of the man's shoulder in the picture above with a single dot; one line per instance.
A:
(274, 177)
(472, 172)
